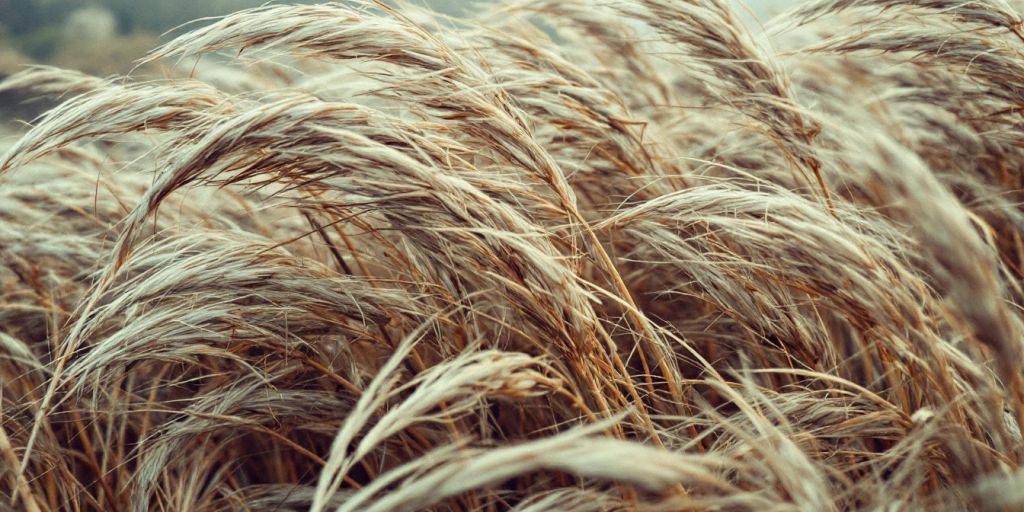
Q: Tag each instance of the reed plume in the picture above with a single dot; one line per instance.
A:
(549, 256)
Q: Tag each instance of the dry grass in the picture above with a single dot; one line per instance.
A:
(639, 259)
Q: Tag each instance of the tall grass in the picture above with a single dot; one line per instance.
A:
(558, 255)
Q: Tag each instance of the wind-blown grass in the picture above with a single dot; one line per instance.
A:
(558, 255)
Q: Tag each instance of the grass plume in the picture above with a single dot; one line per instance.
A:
(559, 255)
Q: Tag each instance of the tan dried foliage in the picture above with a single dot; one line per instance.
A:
(557, 255)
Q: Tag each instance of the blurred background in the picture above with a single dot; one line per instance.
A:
(104, 37)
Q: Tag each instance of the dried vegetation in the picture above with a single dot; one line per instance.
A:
(558, 255)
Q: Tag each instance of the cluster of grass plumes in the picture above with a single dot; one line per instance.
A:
(559, 255)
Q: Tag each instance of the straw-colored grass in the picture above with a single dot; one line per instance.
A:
(558, 255)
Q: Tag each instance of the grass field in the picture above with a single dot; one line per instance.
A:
(557, 255)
